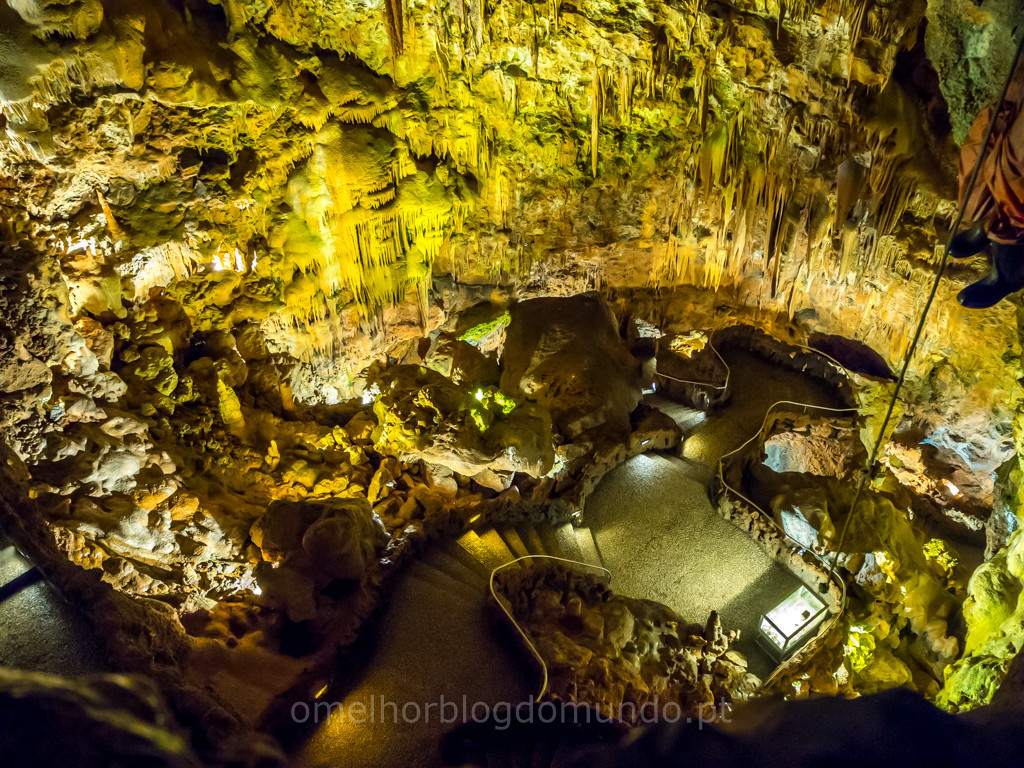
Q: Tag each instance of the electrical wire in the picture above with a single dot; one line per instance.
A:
(862, 483)
(873, 457)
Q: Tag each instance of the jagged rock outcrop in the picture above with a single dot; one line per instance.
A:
(422, 415)
(992, 611)
(567, 355)
(825, 731)
(102, 720)
(887, 558)
(815, 446)
(310, 547)
(621, 655)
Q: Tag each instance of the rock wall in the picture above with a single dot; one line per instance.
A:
(621, 655)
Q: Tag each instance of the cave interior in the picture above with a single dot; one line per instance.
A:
(505, 383)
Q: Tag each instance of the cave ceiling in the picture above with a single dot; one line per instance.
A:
(308, 170)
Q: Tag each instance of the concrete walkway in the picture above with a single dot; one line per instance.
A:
(653, 526)
(433, 642)
(39, 630)
(660, 536)
(663, 541)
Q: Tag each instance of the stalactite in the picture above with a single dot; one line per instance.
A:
(848, 251)
(394, 22)
(661, 57)
(893, 201)
(776, 200)
(855, 18)
(849, 183)
(702, 80)
(112, 226)
(597, 97)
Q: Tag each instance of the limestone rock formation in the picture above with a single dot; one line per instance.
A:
(824, 731)
(308, 547)
(225, 224)
(993, 614)
(823, 447)
(100, 721)
(567, 355)
(91, 722)
(622, 655)
(421, 414)
(887, 557)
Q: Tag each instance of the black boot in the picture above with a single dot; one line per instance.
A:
(1006, 277)
(969, 242)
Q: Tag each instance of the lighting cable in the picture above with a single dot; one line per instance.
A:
(862, 483)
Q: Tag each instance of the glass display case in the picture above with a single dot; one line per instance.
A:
(788, 625)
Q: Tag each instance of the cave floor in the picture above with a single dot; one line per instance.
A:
(432, 645)
(657, 531)
(651, 523)
(41, 631)
(663, 541)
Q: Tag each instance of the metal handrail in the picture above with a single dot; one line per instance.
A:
(519, 629)
(829, 568)
(728, 370)
(708, 384)
(721, 475)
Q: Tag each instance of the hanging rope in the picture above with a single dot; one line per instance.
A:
(927, 306)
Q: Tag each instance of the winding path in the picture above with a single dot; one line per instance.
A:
(650, 522)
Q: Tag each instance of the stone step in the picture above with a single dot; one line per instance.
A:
(552, 545)
(455, 550)
(20, 582)
(443, 559)
(487, 547)
(588, 546)
(683, 415)
(441, 581)
(531, 538)
(568, 543)
(694, 470)
(512, 540)
(12, 564)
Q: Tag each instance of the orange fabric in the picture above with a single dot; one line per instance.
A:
(998, 197)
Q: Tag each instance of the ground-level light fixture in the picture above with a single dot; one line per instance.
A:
(788, 625)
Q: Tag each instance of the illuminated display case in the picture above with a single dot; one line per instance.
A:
(788, 625)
